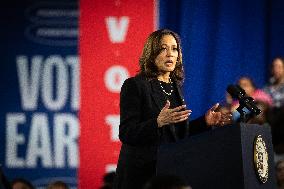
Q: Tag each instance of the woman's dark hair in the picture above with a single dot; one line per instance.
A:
(280, 58)
(152, 49)
(57, 184)
(272, 80)
(27, 183)
(249, 79)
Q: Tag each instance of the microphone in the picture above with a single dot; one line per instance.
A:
(236, 91)
(245, 101)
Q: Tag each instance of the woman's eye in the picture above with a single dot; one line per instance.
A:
(163, 48)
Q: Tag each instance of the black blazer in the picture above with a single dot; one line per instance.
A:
(140, 104)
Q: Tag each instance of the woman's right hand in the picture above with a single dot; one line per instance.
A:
(168, 116)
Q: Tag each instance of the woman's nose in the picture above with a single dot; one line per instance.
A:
(169, 52)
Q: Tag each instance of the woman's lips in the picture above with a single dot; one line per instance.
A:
(169, 63)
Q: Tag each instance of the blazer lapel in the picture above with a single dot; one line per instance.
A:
(157, 96)
(180, 95)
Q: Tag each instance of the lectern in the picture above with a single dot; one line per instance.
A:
(230, 157)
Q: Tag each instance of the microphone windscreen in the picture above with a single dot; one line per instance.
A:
(235, 91)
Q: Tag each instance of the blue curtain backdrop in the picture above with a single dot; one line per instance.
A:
(223, 40)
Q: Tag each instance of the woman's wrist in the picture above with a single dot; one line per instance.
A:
(159, 122)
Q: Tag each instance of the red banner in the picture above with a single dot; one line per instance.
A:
(112, 34)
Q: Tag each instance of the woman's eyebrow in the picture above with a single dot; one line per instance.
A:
(168, 45)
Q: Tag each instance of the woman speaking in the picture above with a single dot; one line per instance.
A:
(152, 110)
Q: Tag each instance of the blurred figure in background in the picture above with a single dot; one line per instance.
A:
(275, 89)
(20, 183)
(57, 185)
(280, 174)
(166, 182)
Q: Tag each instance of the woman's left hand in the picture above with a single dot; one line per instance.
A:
(216, 118)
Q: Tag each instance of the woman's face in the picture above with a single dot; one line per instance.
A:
(167, 59)
(246, 84)
(280, 172)
(278, 69)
